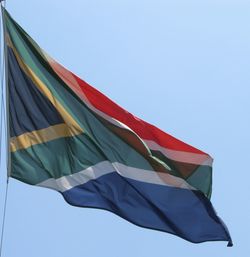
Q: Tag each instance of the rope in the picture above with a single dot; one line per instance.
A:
(4, 215)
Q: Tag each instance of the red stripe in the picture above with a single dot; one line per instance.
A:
(143, 129)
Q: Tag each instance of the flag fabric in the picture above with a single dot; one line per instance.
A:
(67, 136)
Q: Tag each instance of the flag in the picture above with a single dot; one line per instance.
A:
(67, 136)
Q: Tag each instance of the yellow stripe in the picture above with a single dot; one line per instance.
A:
(39, 136)
(72, 126)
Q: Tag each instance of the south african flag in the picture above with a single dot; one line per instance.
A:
(67, 136)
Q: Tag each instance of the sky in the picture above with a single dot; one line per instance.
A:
(180, 65)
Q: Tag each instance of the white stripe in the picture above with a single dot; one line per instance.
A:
(181, 156)
(67, 182)
(150, 176)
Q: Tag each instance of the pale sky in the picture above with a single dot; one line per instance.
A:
(180, 65)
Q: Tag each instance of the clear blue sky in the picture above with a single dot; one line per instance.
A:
(181, 65)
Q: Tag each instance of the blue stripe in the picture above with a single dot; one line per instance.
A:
(181, 212)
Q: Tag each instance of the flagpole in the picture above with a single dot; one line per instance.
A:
(6, 115)
(8, 165)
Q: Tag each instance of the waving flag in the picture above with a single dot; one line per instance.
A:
(67, 136)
